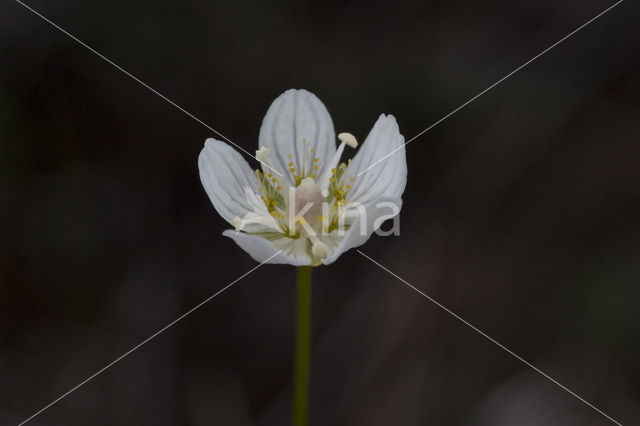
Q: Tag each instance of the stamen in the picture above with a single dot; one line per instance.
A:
(303, 168)
(237, 223)
(349, 139)
(346, 139)
(269, 191)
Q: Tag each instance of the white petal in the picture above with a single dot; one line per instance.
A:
(225, 175)
(257, 222)
(358, 232)
(262, 249)
(387, 178)
(294, 116)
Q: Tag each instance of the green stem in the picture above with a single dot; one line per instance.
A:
(303, 348)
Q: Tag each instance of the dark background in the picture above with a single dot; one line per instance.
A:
(521, 214)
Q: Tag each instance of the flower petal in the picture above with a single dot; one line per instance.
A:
(225, 175)
(387, 178)
(294, 116)
(262, 249)
(363, 226)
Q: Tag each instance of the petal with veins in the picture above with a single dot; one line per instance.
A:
(225, 175)
(294, 116)
(387, 178)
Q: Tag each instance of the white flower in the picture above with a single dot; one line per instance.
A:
(304, 201)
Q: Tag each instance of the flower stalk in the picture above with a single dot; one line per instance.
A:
(302, 357)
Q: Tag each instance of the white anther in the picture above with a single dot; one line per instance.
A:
(262, 154)
(237, 223)
(346, 139)
(349, 139)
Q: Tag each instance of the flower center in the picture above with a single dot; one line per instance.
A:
(313, 205)
(308, 202)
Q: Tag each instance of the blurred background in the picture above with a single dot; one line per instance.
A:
(521, 214)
